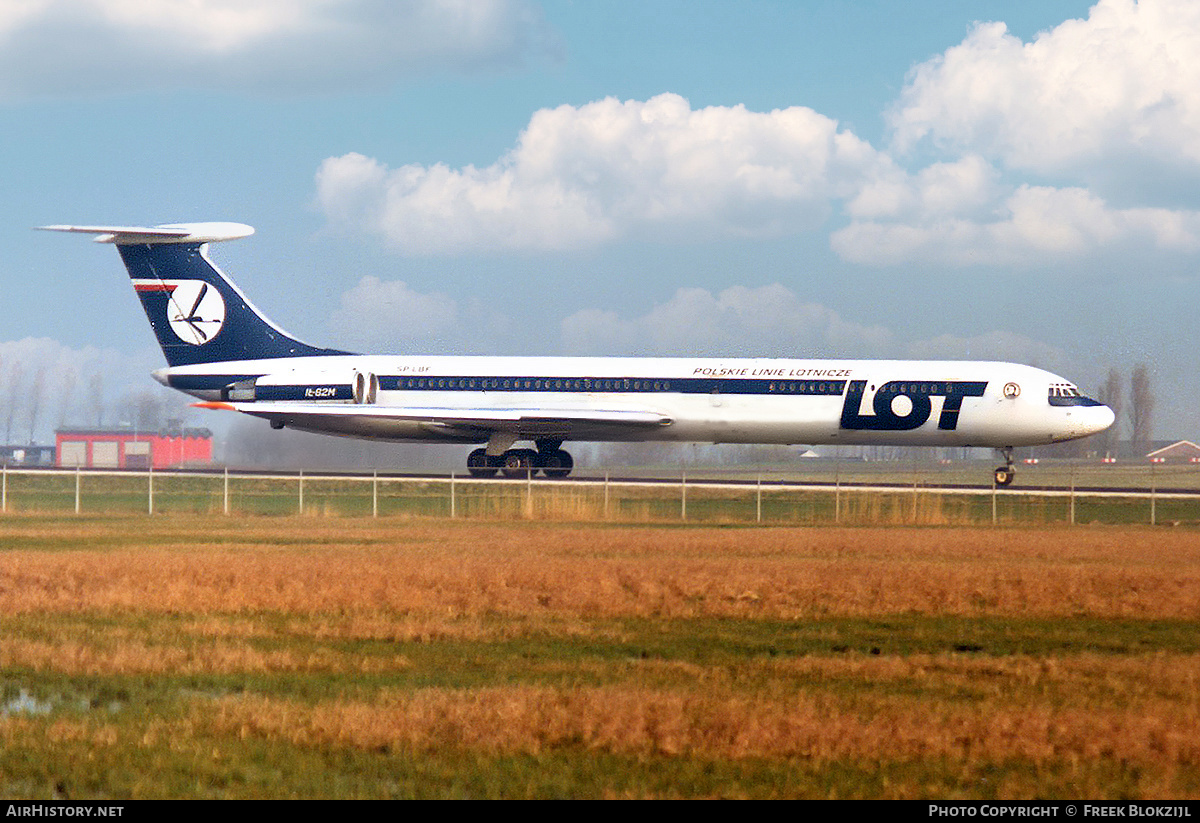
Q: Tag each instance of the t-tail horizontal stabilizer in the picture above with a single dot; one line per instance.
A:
(172, 233)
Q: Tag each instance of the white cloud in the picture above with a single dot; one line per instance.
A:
(1098, 101)
(964, 187)
(1034, 225)
(1123, 83)
(609, 169)
(83, 46)
(389, 315)
(1113, 99)
(770, 321)
(995, 345)
(612, 170)
(390, 312)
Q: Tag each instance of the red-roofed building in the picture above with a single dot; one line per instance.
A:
(131, 449)
(1182, 451)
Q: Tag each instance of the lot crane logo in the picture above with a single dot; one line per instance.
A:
(195, 310)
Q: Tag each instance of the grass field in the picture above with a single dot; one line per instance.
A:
(250, 656)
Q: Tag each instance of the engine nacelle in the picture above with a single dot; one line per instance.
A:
(310, 386)
(353, 385)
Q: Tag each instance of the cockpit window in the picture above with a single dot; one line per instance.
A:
(1064, 394)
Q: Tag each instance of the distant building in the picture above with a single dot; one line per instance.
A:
(27, 455)
(132, 449)
(1184, 451)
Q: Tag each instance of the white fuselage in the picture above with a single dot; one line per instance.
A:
(734, 400)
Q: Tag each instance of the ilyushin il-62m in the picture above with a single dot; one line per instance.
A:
(225, 352)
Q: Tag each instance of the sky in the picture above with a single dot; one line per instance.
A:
(984, 180)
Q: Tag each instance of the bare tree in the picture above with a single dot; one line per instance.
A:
(1112, 394)
(12, 392)
(35, 399)
(95, 393)
(1141, 409)
(66, 390)
(143, 409)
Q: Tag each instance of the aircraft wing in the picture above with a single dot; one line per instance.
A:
(454, 423)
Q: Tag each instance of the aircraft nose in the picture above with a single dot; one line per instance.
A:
(1100, 418)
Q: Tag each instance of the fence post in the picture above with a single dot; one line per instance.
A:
(993, 500)
(837, 495)
(77, 488)
(453, 501)
(759, 499)
(683, 495)
(1153, 499)
(302, 492)
(606, 495)
(4, 491)
(150, 492)
(375, 493)
(226, 491)
(914, 489)
(1072, 495)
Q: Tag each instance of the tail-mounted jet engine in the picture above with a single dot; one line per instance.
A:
(366, 387)
(354, 386)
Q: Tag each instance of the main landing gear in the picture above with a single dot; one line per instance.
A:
(1006, 473)
(549, 459)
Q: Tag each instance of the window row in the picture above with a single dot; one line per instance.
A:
(533, 384)
(805, 387)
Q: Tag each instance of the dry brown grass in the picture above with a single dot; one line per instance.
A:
(403, 575)
(61, 731)
(134, 657)
(1065, 715)
(717, 722)
(314, 602)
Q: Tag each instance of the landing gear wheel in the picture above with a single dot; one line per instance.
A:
(556, 463)
(1006, 473)
(519, 463)
(479, 465)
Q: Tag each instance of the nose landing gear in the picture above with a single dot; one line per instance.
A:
(1005, 474)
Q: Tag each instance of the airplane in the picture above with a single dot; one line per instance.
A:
(226, 353)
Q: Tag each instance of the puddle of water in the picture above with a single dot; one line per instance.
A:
(25, 703)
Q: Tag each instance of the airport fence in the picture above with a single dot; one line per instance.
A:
(847, 494)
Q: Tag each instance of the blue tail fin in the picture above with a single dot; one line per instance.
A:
(198, 314)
